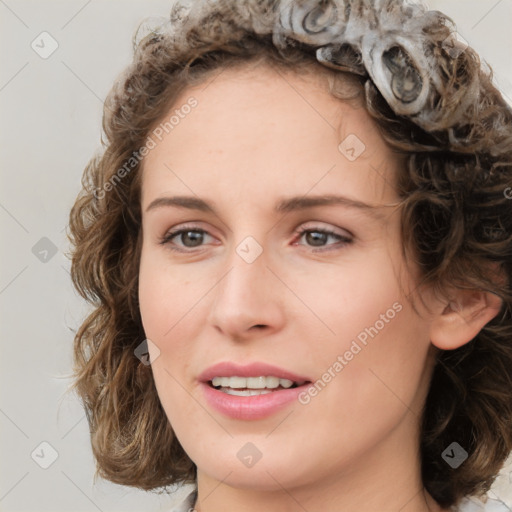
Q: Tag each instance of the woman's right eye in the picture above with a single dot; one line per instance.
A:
(190, 238)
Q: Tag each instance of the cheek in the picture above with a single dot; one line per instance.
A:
(162, 301)
(170, 305)
(166, 297)
(382, 370)
(378, 345)
(354, 298)
(373, 387)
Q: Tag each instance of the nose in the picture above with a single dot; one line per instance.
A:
(247, 300)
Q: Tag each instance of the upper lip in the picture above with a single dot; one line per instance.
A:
(255, 369)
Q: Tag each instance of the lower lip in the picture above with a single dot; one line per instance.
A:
(251, 407)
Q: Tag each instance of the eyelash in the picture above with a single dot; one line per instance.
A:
(344, 240)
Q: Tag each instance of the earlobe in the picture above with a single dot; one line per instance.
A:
(458, 321)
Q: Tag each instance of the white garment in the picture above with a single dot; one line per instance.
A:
(474, 505)
(186, 503)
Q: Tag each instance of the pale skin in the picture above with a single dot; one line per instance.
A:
(254, 139)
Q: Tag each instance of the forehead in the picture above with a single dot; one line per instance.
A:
(260, 129)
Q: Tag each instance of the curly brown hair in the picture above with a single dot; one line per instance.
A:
(456, 222)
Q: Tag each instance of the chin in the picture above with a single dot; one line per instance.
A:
(270, 473)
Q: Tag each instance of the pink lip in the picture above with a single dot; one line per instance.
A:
(249, 407)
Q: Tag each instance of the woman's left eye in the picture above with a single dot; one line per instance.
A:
(318, 237)
(193, 237)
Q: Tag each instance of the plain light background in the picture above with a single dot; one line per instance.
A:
(50, 125)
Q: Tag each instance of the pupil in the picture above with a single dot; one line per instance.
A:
(315, 237)
(196, 237)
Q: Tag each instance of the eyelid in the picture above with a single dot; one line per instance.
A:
(323, 226)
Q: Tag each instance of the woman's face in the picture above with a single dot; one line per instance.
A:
(271, 274)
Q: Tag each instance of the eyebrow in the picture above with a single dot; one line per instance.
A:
(287, 205)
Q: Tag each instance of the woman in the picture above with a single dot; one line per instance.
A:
(298, 245)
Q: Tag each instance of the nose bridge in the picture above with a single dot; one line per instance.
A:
(247, 295)
(244, 285)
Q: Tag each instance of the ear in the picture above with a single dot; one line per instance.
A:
(458, 321)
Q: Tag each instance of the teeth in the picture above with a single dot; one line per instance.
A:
(270, 382)
(257, 382)
(246, 392)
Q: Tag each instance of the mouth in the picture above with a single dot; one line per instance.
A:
(253, 386)
(250, 392)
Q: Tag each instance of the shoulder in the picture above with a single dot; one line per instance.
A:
(476, 505)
